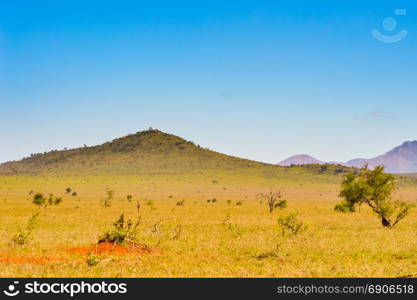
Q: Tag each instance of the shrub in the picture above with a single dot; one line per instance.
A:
(129, 198)
(92, 260)
(40, 200)
(108, 199)
(292, 224)
(374, 188)
(181, 203)
(274, 200)
(123, 231)
(68, 190)
(151, 205)
(24, 233)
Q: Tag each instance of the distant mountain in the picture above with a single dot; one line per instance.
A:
(300, 159)
(402, 159)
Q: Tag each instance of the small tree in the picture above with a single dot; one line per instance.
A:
(274, 200)
(374, 188)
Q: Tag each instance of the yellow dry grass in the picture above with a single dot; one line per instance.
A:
(200, 238)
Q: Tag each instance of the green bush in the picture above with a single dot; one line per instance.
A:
(291, 223)
(40, 200)
(108, 199)
(123, 231)
(25, 233)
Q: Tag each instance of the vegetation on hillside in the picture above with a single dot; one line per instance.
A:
(148, 152)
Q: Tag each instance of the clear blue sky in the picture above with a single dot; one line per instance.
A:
(257, 79)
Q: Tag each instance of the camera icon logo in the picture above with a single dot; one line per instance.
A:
(390, 24)
(11, 290)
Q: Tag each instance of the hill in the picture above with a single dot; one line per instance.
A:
(300, 159)
(150, 151)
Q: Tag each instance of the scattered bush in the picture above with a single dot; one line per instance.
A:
(129, 198)
(92, 260)
(181, 203)
(24, 233)
(40, 200)
(123, 231)
(274, 200)
(292, 224)
(232, 228)
(150, 203)
(108, 199)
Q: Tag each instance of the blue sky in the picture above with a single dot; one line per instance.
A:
(257, 79)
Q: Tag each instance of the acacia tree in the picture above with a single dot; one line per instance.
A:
(374, 188)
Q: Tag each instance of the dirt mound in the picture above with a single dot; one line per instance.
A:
(24, 260)
(110, 248)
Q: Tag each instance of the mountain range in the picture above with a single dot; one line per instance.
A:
(401, 159)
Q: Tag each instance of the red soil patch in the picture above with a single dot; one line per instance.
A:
(24, 260)
(109, 248)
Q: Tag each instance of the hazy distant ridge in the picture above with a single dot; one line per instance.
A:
(401, 159)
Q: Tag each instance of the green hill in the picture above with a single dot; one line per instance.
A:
(146, 152)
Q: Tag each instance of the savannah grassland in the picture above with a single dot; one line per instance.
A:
(233, 236)
(200, 238)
